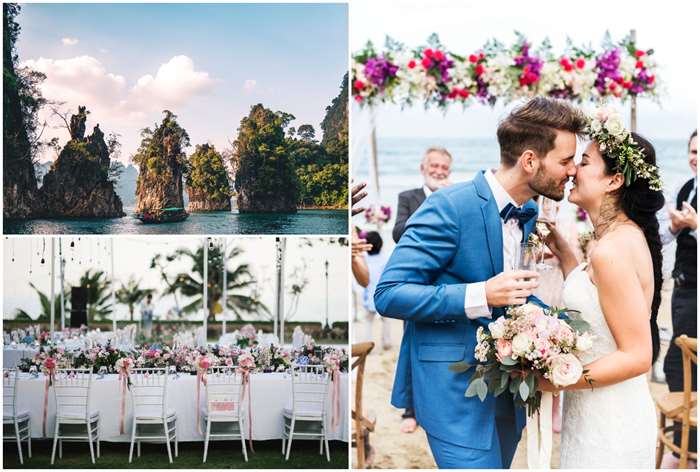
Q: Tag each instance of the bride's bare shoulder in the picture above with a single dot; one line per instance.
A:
(618, 250)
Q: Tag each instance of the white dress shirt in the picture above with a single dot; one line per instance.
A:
(665, 219)
(427, 191)
(475, 304)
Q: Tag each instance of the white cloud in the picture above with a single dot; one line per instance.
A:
(69, 41)
(117, 106)
(249, 85)
(175, 82)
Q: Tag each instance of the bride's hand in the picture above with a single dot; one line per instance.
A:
(545, 385)
(561, 249)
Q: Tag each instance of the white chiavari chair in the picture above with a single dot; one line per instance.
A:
(16, 425)
(72, 389)
(149, 395)
(222, 414)
(306, 417)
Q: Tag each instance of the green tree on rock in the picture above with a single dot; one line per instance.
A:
(207, 181)
(265, 178)
(162, 163)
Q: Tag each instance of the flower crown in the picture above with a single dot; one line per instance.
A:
(606, 128)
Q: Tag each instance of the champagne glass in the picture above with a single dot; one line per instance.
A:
(547, 213)
(527, 256)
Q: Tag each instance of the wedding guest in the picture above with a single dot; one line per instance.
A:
(358, 264)
(435, 167)
(681, 223)
(376, 260)
(147, 315)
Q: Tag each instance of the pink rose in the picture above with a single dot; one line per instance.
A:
(566, 369)
(504, 348)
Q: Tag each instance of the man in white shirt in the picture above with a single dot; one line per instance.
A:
(450, 274)
(680, 223)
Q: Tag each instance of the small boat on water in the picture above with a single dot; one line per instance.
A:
(163, 215)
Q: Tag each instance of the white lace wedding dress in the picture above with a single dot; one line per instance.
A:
(607, 427)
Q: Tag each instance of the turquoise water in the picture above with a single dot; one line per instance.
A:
(302, 222)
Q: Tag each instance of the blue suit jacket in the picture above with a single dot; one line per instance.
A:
(453, 239)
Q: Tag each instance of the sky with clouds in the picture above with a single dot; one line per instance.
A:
(208, 63)
(464, 26)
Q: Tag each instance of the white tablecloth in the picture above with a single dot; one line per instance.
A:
(12, 355)
(271, 393)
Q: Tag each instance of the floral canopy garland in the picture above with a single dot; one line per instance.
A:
(437, 77)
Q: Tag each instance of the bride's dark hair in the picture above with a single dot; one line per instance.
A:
(640, 204)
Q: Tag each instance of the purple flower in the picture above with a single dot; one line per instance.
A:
(608, 64)
(379, 70)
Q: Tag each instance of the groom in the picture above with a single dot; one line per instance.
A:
(446, 278)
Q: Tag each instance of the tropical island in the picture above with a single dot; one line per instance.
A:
(270, 167)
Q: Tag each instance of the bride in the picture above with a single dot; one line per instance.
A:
(609, 415)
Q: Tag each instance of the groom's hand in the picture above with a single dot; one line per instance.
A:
(511, 288)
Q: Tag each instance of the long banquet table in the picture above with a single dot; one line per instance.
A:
(270, 394)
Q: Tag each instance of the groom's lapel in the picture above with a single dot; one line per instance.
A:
(492, 222)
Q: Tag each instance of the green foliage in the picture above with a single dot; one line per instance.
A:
(322, 169)
(45, 302)
(208, 173)
(21, 96)
(261, 158)
(131, 294)
(241, 293)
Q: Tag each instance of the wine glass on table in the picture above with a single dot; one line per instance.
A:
(547, 214)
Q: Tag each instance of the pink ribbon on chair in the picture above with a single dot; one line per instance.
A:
(50, 367)
(246, 387)
(335, 399)
(123, 379)
(201, 378)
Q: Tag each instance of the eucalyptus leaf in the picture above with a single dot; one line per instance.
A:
(482, 389)
(508, 361)
(471, 389)
(524, 390)
(514, 385)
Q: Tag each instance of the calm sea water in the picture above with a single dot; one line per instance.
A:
(302, 222)
(399, 159)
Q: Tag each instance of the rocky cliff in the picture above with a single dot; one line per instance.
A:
(77, 185)
(21, 102)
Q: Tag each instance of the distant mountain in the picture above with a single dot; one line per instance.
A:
(126, 185)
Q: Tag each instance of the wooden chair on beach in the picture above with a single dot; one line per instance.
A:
(680, 407)
(362, 425)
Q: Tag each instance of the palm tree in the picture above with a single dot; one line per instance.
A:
(131, 295)
(45, 301)
(241, 291)
(98, 294)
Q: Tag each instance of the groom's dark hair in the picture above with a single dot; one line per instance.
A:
(533, 126)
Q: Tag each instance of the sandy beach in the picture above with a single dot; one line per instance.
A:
(396, 450)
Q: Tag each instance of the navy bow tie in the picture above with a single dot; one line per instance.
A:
(510, 211)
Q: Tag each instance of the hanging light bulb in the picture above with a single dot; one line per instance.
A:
(72, 244)
(42, 260)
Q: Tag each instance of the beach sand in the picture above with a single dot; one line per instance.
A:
(396, 450)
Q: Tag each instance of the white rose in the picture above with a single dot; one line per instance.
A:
(615, 126)
(566, 369)
(584, 342)
(497, 330)
(596, 126)
(521, 344)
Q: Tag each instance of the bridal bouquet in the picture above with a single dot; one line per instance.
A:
(526, 343)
